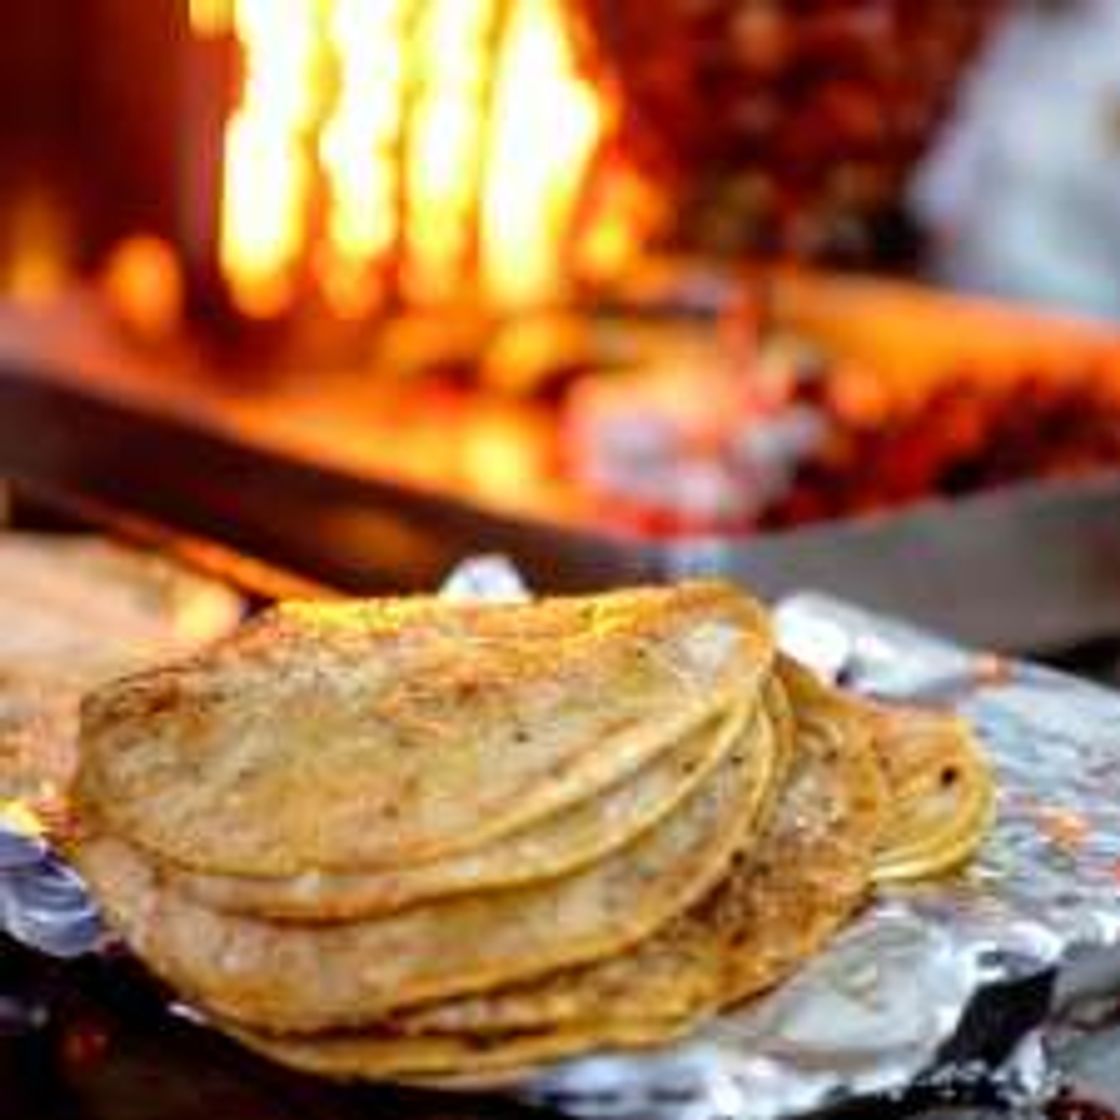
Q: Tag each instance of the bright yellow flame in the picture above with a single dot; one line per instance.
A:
(546, 121)
(357, 148)
(211, 18)
(441, 145)
(268, 169)
(452, 58)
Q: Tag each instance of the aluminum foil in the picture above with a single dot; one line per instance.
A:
(937, 984)
(942, 983)
(43, 903)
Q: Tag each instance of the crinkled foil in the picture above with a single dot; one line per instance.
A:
(930, 984)
(920, 986)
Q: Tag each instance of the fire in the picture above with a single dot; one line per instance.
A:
(452, 53)
(438, 151)
(268, 170)
(547, 120)
(357, 148)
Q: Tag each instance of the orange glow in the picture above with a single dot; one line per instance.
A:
(144, 286)
(39, 259)
(547, 119)
(628, 208)
(211, 18)
(502, 458)
(436, 149)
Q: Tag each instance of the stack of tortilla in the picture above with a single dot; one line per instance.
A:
(444, 842)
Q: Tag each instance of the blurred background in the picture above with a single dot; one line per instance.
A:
(975, 142)
(643, 275)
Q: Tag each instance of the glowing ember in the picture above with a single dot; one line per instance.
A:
(144, 286)
(436, 149)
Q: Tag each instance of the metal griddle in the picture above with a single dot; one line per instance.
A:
(1025, 568)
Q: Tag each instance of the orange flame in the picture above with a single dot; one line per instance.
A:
(443, 145)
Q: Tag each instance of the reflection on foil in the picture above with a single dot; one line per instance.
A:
(488, 578)
(43, 903)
